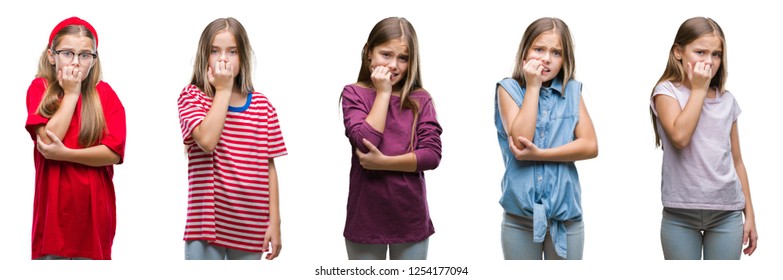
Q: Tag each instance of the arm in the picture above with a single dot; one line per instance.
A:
(750, 235)
(381, 79)
(375, 160)
(95, 156)
(207, 133)
(585, 146)
(680, 123)
(272, 235)
(70, 79)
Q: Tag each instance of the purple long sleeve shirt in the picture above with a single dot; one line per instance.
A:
(386, 207)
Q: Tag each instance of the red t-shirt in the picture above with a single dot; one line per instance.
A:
(74, 211)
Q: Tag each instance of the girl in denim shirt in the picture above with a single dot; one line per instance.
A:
(704, 186)
(543, 127)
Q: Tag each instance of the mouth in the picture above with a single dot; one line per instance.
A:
(394, 76)
(546, 70)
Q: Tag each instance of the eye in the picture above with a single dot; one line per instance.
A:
(717, 55)
(699, 52)
(213, 51)
(404, 58)
(538, 50)
(85, 55)
(233, 52)
(557, 53)
(387, 55)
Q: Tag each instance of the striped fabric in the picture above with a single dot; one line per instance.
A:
(228, 197)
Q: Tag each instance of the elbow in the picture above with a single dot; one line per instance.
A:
(592, 151)
(207, 146)
(680, 142)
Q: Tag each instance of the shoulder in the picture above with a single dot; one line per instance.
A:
(356, 91)
(107, 92)
(665, 87)
(509, 84)
(258, 98)
(421, 95)
(37, 86)
(192, 91)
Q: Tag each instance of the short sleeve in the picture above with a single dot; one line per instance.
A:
(114, 114)
(192, 110)
(34, 96)
(735, 108)
(276, 143)
(664, 88)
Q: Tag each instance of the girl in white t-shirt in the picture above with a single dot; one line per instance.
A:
(704, 186)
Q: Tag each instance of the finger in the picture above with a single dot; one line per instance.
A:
(369, 145)
(265, 245)
(39, 143)
(524, 141)
(53, 137)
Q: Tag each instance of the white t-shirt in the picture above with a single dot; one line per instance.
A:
(701, 175)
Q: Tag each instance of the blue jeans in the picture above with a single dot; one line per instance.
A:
(516, 237)
(400, 251)
(202, 250)
(686, 232)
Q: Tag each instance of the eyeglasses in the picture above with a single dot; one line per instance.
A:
(67, 56)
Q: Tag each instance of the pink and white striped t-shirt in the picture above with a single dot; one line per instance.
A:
(228, 194)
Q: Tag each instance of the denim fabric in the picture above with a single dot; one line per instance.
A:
(516, 236)
(202, 250)
(398, 251)
(686, 232)
(546, 191)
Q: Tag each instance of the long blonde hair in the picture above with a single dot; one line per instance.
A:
(92, 123)
(243, 80)
(689, 31)
(384, 31)
(532, 32)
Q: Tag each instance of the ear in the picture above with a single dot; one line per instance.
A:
(677, 52)
(50, 56)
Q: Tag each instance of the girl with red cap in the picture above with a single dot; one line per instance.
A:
(77, 124)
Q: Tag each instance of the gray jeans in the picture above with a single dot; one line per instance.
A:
(516, 237)
(401, 251)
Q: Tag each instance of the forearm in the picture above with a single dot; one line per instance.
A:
(377, 116)
(579, 149)
(207, 134)
(524, 124)
(685, 124)
(95, 156)
(404, 163)
(61, 120)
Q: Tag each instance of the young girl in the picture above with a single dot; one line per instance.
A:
(232, 136)
(394, 134)
(77, 124)
(704, 185)
(543, 127)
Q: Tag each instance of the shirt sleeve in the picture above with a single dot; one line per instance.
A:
(114, 114)
(735, 110)
(664, 88)
(192, 111)
(428, 144)
(355, 111)
(34, 96)
(276, 144)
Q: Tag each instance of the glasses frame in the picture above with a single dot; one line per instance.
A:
(76, 55)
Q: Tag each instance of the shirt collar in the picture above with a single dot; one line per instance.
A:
(557, 86)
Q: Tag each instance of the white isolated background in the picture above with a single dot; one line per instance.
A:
(306, 51)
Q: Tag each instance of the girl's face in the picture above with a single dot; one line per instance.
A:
(73, 51)
(392, 54)
(224, 50)
(707, 49)
(548, 49)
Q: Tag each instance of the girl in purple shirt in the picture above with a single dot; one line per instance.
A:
(391, 124)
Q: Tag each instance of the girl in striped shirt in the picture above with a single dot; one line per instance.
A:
(232, 135)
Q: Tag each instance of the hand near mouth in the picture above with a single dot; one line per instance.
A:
(381, 79)
(534, 72)
(699, 75)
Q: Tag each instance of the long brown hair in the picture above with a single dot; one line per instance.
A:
(384, 31)
(543, 25)
(92, 123)
(243, 80)
(689, 31)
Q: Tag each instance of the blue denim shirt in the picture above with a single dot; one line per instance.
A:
(547, 191)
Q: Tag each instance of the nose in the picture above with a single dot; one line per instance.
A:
(223, 57)
(392, 64)
(545, 57)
